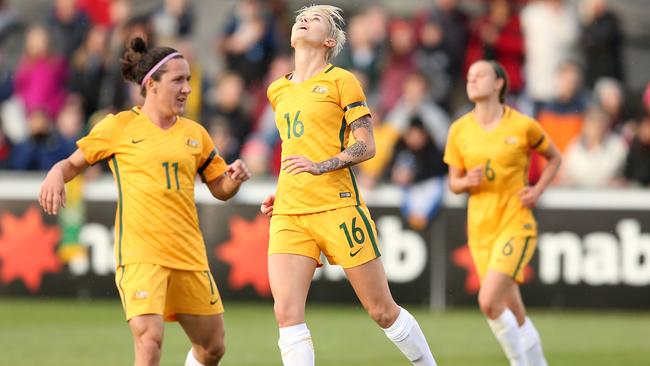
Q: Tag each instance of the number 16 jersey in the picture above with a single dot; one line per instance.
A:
(313, 120)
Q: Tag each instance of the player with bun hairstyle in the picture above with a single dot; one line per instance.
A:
(155, 154)
(317, 207)
(488, 151)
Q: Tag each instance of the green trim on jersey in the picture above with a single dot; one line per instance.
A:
(369, 229)
(120, 205)
(523, 255)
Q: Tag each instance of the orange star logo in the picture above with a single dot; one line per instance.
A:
(27, 248)
(462, 257)
(246, 252)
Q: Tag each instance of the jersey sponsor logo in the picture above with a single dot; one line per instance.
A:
(191, 142)
(134, 141)
(140, 295)
(511, 140)
(345, 194)
(318, 89)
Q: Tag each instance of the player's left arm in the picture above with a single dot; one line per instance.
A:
(227, 185)
(362, 150)
(530, 195)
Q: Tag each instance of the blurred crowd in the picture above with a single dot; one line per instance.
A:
(564, 60)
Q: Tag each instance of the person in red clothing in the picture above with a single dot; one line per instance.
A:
(497, 36)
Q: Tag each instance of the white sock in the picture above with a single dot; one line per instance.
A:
(191, 360)
(408, 337)
(532, 344)
(296, 347)
(506, 330)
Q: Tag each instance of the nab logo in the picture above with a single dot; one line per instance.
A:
(511, 140)
(140, 295)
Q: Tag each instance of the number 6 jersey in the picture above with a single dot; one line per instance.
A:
(154, 169)
(494, 206)
(313, 120)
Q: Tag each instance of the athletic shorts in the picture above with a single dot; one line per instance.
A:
(510, 254)
(153, 289)
(347, 236)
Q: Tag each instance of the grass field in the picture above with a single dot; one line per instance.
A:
(61, 332)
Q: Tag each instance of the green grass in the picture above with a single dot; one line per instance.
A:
(61, 332)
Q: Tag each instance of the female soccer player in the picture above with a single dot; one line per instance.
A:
(317, 207)
(155, 155)
(488, 152)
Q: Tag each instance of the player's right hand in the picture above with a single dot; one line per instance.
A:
(473, 177)
(267, 205)
(52, 194)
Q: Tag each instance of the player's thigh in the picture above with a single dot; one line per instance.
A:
(205, 331)
(192, 292)
(511, 253)
(347, 236)
(371, 285)
(142, 288)
(288, 234)
(290, 276)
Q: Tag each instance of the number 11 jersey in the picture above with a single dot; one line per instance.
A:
(156, 220)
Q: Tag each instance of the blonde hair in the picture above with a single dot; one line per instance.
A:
(334, 18)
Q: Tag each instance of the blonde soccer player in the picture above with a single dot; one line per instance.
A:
(317, 207)
(488, 152)
(155, 154)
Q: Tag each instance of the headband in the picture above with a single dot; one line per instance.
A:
(158, 65)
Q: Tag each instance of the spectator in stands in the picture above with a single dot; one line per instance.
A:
(40, 76)
(224, 142)
(596, 158)
(551, 31)
(434, 60)
(174, 19)
(454, 24)
(9, 21)
(5, 150)
(43, 148)
(416, 101)
(602, 42)
(360, 52)
(69, 26)
(562, 117)
(225, 101)
(399, 64)
(249, 41)
(98, 11)
(497, 36)
(417, 167)
(88, 68)
(637, 165)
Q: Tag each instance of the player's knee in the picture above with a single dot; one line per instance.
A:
(213, 352)
(149, 343)
(382, 315)
(288, 314)
(492, 309)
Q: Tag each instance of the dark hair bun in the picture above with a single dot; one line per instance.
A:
(132, 68)
(138, 45)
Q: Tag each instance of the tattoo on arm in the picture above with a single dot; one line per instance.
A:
(356, 151)
(332, 164)
(363, 122)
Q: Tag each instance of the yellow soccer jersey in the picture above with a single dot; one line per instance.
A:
(313, 119)
(154, 169)
(504, 153)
